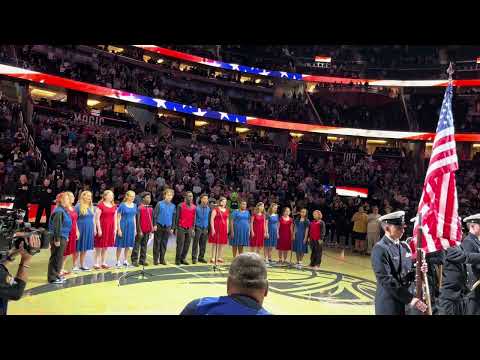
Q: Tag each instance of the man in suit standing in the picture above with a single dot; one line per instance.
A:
(394, 270)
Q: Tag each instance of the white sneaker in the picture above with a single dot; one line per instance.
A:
(76, 269)
(118, 264)
(126, 264)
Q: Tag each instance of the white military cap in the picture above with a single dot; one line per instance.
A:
(473, 219)
(395, 218)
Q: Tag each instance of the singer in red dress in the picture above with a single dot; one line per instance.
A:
(285, 237)
(106, 228)
(71, 248)
(258, 228)
(219, 230)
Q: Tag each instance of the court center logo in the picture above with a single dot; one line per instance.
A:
(321, 285)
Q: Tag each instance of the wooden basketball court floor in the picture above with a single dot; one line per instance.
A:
(342, 286)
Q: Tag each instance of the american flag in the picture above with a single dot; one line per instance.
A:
(438, 205)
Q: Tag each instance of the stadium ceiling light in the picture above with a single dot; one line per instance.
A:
(332, 138)
(296, 134)
(323, 59)
(376, 142)
(476, 146)
(159, 61)
(242, 130)
(199, 123)
(41, 92)
(92, 102)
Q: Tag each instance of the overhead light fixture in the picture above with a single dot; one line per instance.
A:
(323, 59)
(41, 92)
(429, 144)
(92, 102)
(199, 123)
(376, 142)
(257, 81)
(332, 138)
(296, 134)
(159, 61)
(476, 146)
(242, 130)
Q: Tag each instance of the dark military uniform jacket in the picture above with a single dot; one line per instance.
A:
(394, 271)
(471, 245)
(10, 289)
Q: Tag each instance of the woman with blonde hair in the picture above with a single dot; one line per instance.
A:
(106, 228)
(126, 228)
(86, 226)
(71, 248)
(258, 228)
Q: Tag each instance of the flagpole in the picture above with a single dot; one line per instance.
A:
(419, 277)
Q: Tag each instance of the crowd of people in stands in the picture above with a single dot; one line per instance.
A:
(117, 74)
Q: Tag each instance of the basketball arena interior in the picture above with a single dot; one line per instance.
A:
(139, 179)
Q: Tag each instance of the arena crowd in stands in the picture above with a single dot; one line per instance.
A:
(296, 107)
(97, 158)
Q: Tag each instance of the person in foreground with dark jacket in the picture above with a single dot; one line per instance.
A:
(455, 296)
(394, 270)
(12, 288)
(247, 286)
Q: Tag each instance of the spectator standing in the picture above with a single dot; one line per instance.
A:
(45, 200)
(373, 229)
(22, 195)
(360, 222)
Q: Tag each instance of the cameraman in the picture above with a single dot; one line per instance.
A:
(12, 288)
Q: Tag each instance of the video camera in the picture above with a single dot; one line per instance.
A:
(11, 222)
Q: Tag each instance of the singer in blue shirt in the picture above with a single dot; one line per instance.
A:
(202, 221)
(163, 216)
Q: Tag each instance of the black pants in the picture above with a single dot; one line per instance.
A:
(160, 242)
(316, 255)
(184, 238)
(453, 307)
(140, 246)
(473, 307)
(56, 260)
(201, 237)
(38, 217)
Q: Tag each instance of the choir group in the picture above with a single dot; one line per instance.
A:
(129, 226)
